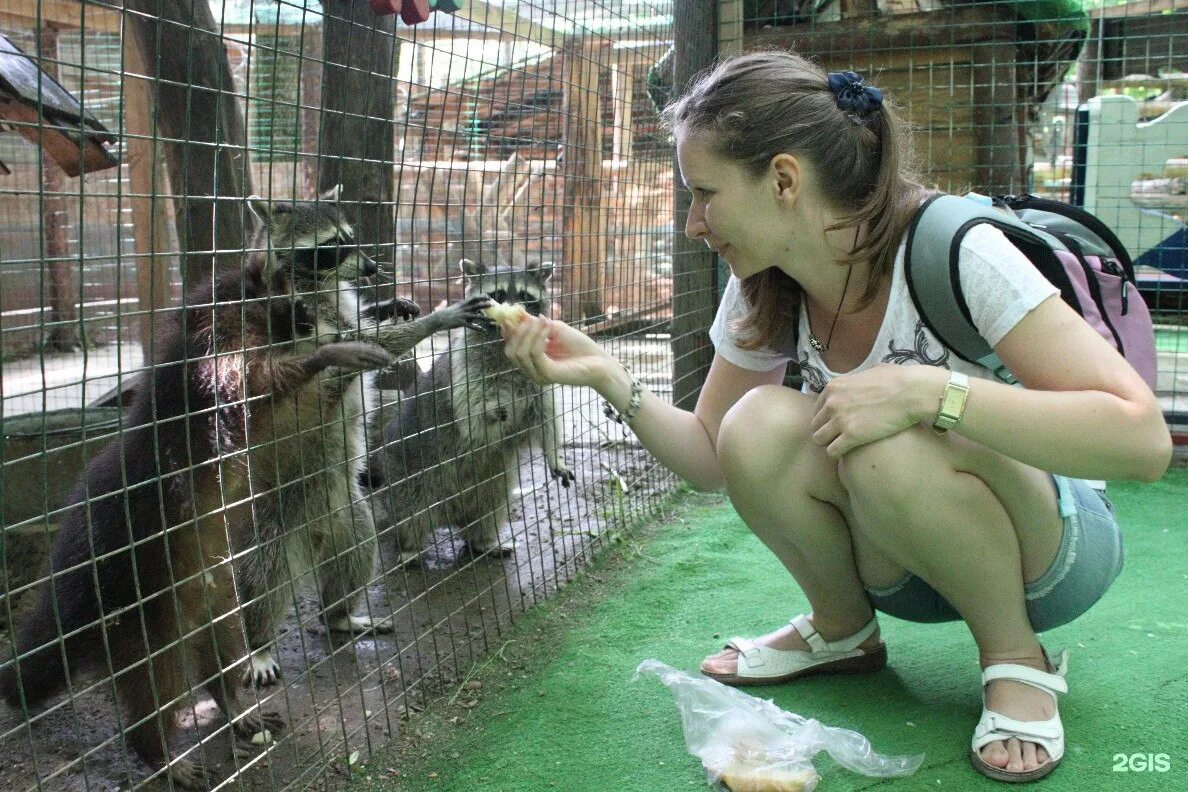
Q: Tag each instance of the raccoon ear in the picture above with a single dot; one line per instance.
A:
(546, 270)
(332, 195)
(471, 268)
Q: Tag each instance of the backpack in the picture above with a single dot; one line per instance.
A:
(1074, 250)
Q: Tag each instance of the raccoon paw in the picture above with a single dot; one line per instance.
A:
(262, 670)
(355, 355)
(187, 774)
(258, 727)
(491, 549)
(471, 312)
(405, 309)
(564, 474)
(361, 624)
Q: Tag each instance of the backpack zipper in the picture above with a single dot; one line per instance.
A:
(1112, 267)
(1094, 287)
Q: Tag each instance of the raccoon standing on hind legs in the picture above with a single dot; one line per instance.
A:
(452, 452)
(311, 518)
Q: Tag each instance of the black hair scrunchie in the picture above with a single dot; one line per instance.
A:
(852, 94)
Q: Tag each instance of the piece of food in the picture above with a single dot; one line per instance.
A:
(262, 738)
(749, 778)
(749, 767)
(510, 314)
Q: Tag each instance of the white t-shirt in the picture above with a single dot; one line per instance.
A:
(1001, 286)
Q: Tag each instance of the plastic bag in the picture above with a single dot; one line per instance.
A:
(751, 745)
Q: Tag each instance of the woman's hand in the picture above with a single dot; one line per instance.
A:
(856, 409)
(549, 351)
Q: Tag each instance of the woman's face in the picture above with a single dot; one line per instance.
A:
(734, 213)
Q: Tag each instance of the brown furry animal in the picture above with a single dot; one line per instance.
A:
(175, 524)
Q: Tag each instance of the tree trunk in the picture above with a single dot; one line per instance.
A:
(358, 131)
(201, 126)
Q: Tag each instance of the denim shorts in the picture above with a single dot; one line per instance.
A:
(1088, 561)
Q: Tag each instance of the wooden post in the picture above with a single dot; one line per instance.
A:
(623, 95)
(583, 215)
(996, 120)
(695, 282)
(202, 128)
(147, 179)
(1089, 64)
(358, 130)
(64, 333)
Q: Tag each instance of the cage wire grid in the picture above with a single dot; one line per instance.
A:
(513, 134)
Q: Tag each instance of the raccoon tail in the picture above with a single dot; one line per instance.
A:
(41, 669)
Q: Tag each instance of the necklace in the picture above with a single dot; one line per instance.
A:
(815, 342)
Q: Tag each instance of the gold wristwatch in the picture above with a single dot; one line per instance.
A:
(952, 402)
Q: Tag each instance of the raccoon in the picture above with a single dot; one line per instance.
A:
(141, 569)
(454, 446)
(311, 520)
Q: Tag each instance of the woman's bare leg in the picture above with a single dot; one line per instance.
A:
(834, 527)
(974, 525)
(787, 491)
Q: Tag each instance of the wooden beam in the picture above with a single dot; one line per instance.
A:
(506, 19)
(150, 225)
(952, 27)
(62, 14)
(623, 97)
(1139, 8)
(64, 335)
(583, 215)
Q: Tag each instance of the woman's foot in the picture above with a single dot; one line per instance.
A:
(1023, 703)
(787, 638)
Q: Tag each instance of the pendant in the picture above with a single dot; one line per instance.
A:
(816, 344)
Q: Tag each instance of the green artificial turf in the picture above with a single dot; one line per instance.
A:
(557, 708)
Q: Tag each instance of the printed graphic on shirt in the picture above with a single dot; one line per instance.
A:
(921, 352)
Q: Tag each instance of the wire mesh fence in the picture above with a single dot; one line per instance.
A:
(216, 215)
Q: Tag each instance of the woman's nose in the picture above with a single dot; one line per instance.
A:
(695, 227)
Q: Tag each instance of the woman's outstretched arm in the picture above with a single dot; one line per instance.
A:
(685, 442)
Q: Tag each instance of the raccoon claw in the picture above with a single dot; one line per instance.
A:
(565, 475)
(258, 727)
(405, 309)
(395, 308)
(472, 312)
(262, 670)
(187, 774)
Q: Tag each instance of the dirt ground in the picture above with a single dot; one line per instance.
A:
(340, 695)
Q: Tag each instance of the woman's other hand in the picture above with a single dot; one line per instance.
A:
(856, 409)
(549, 351)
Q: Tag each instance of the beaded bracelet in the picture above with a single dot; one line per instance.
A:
(609, 410)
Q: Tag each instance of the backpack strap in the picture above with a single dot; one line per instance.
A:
(933, 277)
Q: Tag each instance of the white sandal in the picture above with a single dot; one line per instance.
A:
(762, 665)
(1048, 734)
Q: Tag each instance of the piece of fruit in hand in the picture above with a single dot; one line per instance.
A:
(506, 314)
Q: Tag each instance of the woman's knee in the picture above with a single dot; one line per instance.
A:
(893, 467)
(765, 428)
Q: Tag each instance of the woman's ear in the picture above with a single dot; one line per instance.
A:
(788, 178)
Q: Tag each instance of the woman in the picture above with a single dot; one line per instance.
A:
(903, 479)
